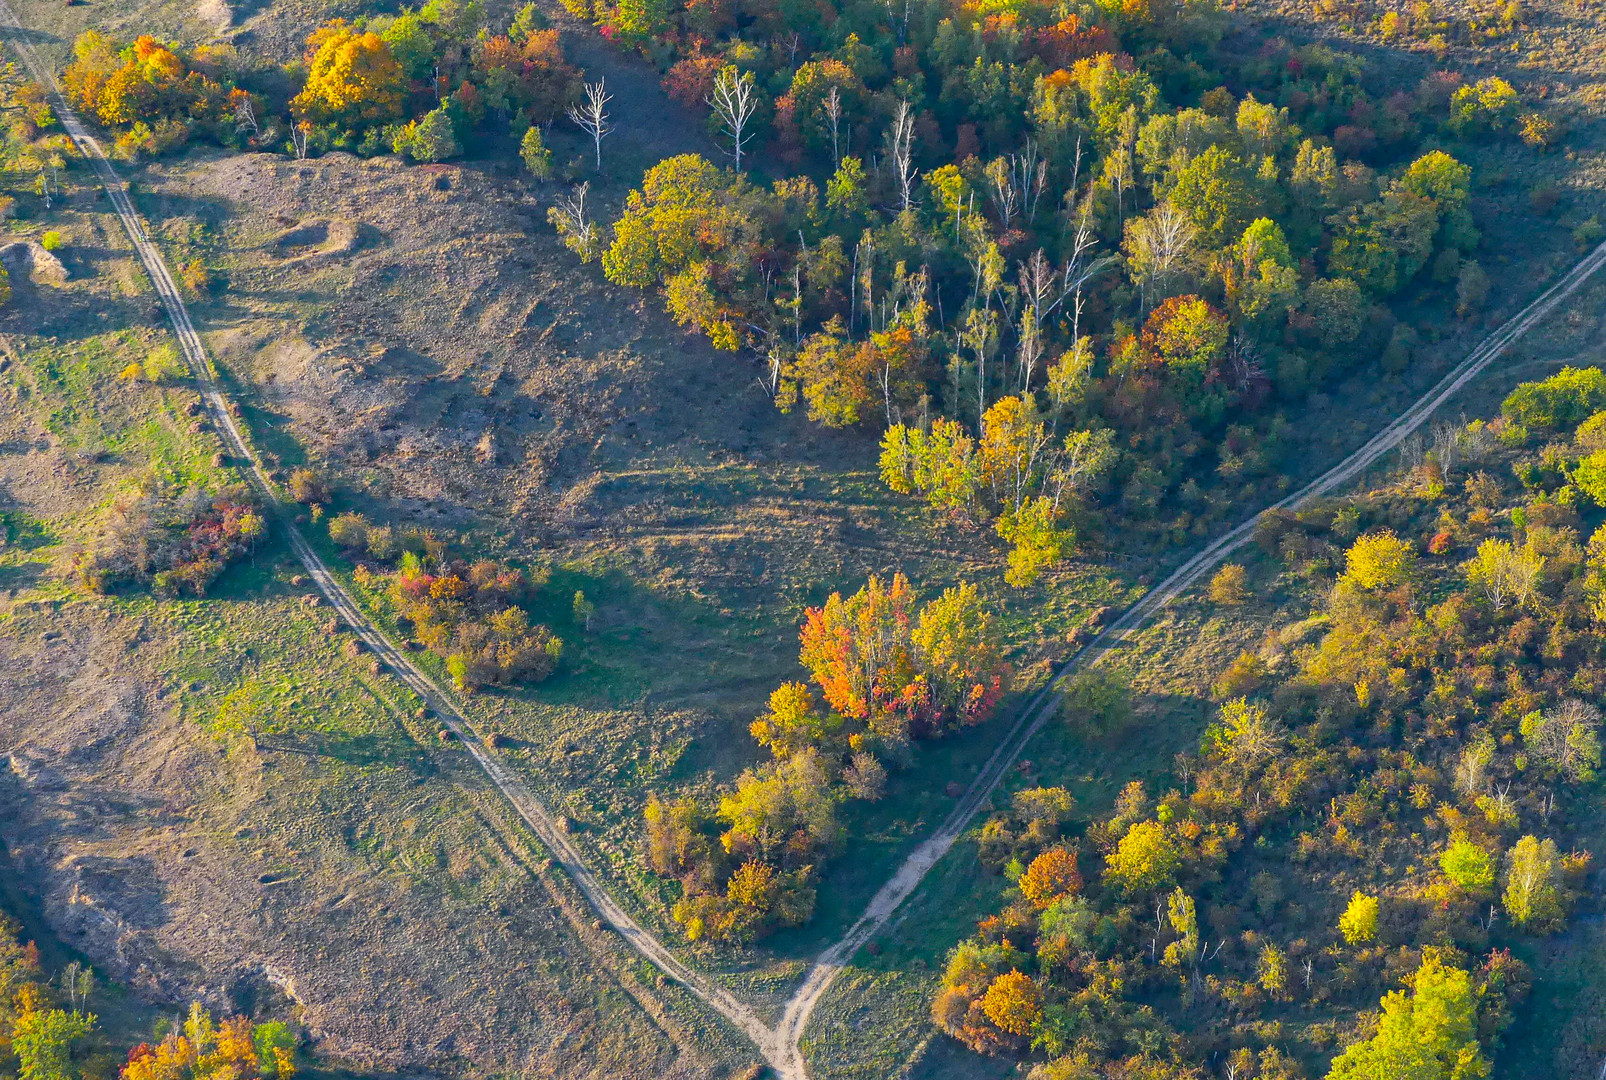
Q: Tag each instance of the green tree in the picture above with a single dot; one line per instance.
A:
(1468, 865)
(1429, 1033)
(1337, 309)
(43, 1040)
(534, 153)
(1216, 190)
(429, 139)
(642, 19)
(1533, 896)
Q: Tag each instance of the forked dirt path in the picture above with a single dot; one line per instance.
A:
(536, 815)
(781, 1046)
(1043, 707)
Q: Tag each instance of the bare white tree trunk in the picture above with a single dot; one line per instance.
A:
(902, 138)
(833, 116)
(591, 115)
(733, 101)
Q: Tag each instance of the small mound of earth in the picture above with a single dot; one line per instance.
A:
(27, 259)
(329, 239)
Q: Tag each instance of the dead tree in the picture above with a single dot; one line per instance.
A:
(902, 138)
(733, 101)
(833, 116)
(591, 115)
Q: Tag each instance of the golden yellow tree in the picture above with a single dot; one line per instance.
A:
(351, 78)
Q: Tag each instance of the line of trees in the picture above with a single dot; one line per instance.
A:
(426, 82)
(884, 672)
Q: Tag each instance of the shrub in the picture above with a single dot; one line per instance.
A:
(307, 487)
(163, 365)
(1564, 400)
(349, 530)
(1228, 585)
(51, 241)
(536, 156)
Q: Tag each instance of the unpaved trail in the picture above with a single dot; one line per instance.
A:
(535, 815)
(781, 1045)
(795, 1018)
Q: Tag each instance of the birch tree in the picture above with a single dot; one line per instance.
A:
(902, 138)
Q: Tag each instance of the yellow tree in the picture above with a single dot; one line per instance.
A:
(352, 78)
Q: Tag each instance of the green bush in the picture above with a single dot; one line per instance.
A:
(1564, 400)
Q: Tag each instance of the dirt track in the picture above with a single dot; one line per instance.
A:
(780, 1045)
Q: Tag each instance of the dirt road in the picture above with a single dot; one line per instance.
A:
(781, 1045)
(528, 806)
(795, 1019)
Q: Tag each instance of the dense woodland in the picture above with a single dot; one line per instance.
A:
(1061, 255)
(1396, 792)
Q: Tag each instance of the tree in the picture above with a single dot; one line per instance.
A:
(43, 1039)
(429, 139)
(1485, 106)
(535, 155)
(1159, 249)
(567, 215)
(901, 142)
(939, 465)
(956, 653)
(792, 722)
(1244, 735)
(1013, 1003)
(1146, 859)
(734, 102)
(1379, 560)
(1566, 739)
(1469, 866)
(1505, 573)
(591, 115)
(1187, 335)
(1337, 309)
(642, 19)
(1215, 191)
(1429, 1033)
(352, 78)
(1051, 876)
(783, 809)
(1384, 244)
(1037, 537)
(1358, 924)
(1533, 896)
